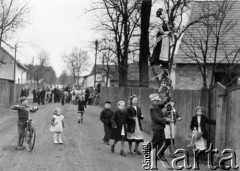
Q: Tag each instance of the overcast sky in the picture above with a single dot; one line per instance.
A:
(56, 26)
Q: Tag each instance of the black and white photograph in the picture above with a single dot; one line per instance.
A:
(119, 85)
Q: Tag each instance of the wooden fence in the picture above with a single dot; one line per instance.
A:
(228, 119)
(186, 101)
(7, 96)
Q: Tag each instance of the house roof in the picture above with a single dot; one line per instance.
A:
(103, 68)
(133, 71)
(231, 39)
(18, 63)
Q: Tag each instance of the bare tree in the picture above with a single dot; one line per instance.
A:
(108, 57)
(12, 16)
(63, 78)
(77, 62)
(42, 67)
(210, 43)
(120, 19)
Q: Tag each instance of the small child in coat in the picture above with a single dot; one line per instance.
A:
(119, 125)
(105, 117)
(81, 107)
(57, 126)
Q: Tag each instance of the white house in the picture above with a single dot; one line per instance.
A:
(100, 78)
(7, 68)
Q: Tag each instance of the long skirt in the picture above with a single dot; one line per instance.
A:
(201, 144)
(160, 51)
(137, 135)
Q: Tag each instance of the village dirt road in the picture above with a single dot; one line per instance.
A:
(83, 149)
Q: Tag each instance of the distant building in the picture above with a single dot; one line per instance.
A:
(7, 68)
(101, 78)
(113, 76)
(186, 73)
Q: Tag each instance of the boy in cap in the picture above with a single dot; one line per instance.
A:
(158, 123)
(23, 116)
(105, 117)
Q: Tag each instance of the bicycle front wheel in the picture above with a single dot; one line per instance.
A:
(30, 139)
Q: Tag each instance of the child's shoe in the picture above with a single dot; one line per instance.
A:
(130, 152)
(137, 151)
(107, 143)
(20, 147)
(123, 153)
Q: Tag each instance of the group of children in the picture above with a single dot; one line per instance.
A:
(123, 124)
(117, 127)
(57, 123)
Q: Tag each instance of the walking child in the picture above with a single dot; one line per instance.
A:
(170, 127)
(105, 117)
(81, 108)
(119, 127)
(23, 116)
(57, 126)
(134, 126)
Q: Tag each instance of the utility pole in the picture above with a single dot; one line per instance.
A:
(15, 63)
(14, 74)
(95, 72)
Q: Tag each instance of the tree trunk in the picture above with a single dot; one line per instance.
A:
(122, 77)
(123, 69)
(144, 43)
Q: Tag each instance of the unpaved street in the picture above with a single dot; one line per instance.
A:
(83, 148)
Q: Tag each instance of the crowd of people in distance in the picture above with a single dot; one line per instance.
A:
(54, 94)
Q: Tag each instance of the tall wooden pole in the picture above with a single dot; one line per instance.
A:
(95, 69)
(14, 74)
(15, 63)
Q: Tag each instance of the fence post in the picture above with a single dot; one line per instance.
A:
(221, 116)
(204, 99)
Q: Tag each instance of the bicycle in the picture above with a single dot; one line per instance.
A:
(29, 133)
(29, 136)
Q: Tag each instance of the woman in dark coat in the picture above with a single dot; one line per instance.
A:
(134, 131)
(119, 127)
